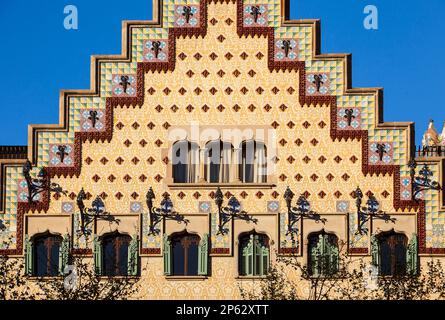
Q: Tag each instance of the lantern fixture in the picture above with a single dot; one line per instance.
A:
(423, 182)
(231, 212)
(301, 211)
(164, 212)
(39, 185)
(2, 226)
(91, 215)
(370, 212)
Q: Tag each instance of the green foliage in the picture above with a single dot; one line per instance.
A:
(87, 284)
(13, 283)
(350, 282)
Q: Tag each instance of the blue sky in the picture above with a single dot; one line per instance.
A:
(40, 57)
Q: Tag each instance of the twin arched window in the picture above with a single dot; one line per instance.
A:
(323, 254)
(186, 254)
(46, 254)
(116, 255)
(393, 255)
(253, 254)
(215, 162)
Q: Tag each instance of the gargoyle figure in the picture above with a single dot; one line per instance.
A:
(156, 48)
(318, 81)
(93, 118)
(381, 150)
(286, 47)
(61, 153)
(125, 83)
(255, 12)
(187, 13)
(349, 115)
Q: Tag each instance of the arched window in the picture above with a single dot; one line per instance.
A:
(46, 255)
(115, 254)
(185, 255)
(218, 158)
(253, 254)
(323, 257)
(253, 166)
(392, 253)
(185, 159)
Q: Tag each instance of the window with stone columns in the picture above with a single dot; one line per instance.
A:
(185, 159)
(218, 160)
(253, 165)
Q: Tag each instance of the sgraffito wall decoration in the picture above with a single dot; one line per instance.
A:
(220, 63)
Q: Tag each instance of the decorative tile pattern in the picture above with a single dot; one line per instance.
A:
(61, 155)
(124, 85)
(68, 207)
(357, 240)
(405, 188)
(187, 16)
(255, 15)
(286, 49)
(80, 241)
(317, 84)
(348, 119)
(92, 120)
(289, 243)
(204, 206)
(381, 153)
(343, 206)
(273, 206)
(156, 50)
(221, 244)
(152, 243)
(277, 93)
(136, 207)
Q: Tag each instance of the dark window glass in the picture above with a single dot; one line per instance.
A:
(46, 255)
(185, 255)
(392, 254)
(185, 162)
(115, 255)
(180, 170)
(252, 165)
(218, 159)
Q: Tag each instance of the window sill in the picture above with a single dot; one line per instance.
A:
(186, 278)
(251, 278)
(232, 185)
(44, 278)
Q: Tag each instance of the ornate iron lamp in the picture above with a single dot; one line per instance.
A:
(2, 226)
(231, 212)
(164, 212)
(371, 211)
(301, 211)
(39, 185)
(90, 215)
(423, 182)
